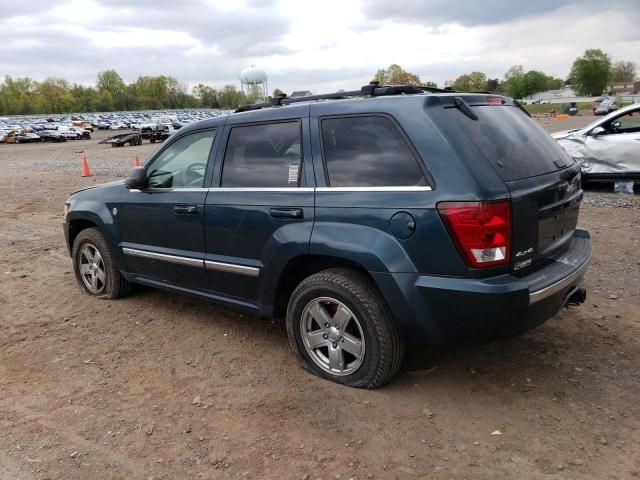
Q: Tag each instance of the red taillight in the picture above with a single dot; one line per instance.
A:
(482, 230)
(495, 101)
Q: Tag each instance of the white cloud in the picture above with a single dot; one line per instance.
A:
(308, 45)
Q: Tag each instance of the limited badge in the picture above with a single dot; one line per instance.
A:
(519, 265)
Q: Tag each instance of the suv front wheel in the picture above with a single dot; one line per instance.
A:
(94, 267)
(341, 330)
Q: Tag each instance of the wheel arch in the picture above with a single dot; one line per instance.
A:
(79, 220)
(77, 225)
(297, 269)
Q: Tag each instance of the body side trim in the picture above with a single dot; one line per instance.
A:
(191, 262)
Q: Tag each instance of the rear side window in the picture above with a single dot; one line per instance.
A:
(263, 156)
(514, 145)
(368, 151)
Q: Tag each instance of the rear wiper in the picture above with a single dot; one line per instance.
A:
(521, 107)
(461, 105)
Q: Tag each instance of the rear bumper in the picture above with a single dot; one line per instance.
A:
(458, 310)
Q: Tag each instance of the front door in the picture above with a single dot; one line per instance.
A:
(261, 214)
(617, 149)
(161, 227)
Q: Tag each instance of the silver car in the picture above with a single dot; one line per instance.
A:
(609, 148)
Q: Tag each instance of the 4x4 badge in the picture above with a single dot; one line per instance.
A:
(524, 252)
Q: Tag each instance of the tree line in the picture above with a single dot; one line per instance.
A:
(24, 96)
(590, 74)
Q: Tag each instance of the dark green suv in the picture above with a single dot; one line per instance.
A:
(367, 218)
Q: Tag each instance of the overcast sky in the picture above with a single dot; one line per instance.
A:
(321, 45)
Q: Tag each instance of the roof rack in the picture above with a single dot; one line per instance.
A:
(374, 89)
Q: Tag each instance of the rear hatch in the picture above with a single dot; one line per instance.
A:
(543, 180)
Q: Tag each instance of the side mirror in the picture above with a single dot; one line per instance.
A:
(597, 131)
(137, 179)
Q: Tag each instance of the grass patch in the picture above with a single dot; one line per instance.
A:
(547, 107)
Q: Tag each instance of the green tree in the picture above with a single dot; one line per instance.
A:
(591, 72)
(493, 84)
(53, 95)
(230, 97)
(277, 92)
(554, 83)
(396, 75)
(512, 83)
(623, 72)
(472, 82)
(207, 96)
(533, 81)
(110, 82)
(85, 98)
(18, 95)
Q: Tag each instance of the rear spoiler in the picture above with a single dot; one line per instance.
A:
(465, 102)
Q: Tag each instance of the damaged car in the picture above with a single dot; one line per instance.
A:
(609, 148)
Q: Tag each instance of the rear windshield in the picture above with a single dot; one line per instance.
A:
(512, 142)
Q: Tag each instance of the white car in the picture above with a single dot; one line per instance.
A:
(609, 148)
(70, 133)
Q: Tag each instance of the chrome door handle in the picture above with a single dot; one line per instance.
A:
(185, 209)
(286, 213)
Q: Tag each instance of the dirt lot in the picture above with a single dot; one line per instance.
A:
(163, 386)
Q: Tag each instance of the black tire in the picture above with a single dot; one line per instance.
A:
(384, 345)
(115, 285)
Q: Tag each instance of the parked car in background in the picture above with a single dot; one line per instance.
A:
(84, 134)
(74, 133)
(388, 215)
(52, 136)
(69, 132)
(21, 137)
(605, 107)
(83, 124)
(29, 137)
(607, 149)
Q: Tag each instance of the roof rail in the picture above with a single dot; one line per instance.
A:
(374, 89)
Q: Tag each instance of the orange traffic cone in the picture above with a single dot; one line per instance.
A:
(85, 166)
(136, 161)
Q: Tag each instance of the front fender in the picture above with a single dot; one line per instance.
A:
(100, 215)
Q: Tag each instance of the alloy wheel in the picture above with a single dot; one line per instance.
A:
(332, 336)
(92, 269)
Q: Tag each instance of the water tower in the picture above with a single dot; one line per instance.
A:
(253, 82)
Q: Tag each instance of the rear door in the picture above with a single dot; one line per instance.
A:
(260, 212)
(543, 180)
(374, 202)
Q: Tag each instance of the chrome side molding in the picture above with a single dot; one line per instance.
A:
(193, 262)
(232, 268)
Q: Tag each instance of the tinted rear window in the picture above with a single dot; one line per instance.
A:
(263, 156)
(368, 151)
(512, 142)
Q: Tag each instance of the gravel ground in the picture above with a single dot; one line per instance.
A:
(163, 386)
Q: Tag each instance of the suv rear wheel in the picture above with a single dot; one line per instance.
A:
(341, 330)
(94, 267)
